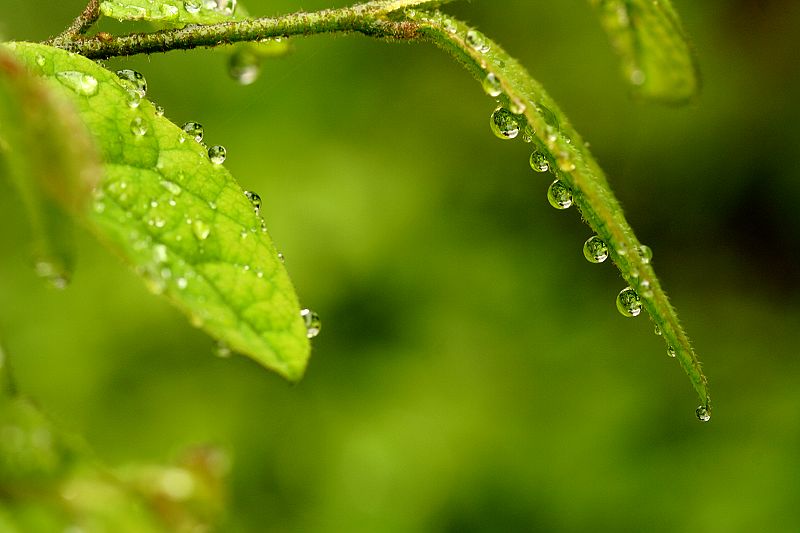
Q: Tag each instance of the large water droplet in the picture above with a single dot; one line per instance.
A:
(703, 414)
(133, 80)
(194, 130)
(559, 195)
(595, 250)
(629, 303)
(492, 86)
(539, 162)
(504, 123)
(80, 82)
(217, 154)
(244, 66)
(138, 127)
(312, 322)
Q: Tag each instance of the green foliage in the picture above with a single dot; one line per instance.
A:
(656, 58)
(173, 12)
(182, 221)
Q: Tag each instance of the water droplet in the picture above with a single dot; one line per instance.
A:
(671, 351)
(244, 66)
(645, 289)
(160, 253)
(172, 187)
(552, 126)
(133, 80)
(159, 111)
(80, 82)
(703, 414)
(138, 127)
(539, 162)
(181, 283)
(53, 275)
(657, 330)
(40, 60)
(449, 25)
(504, 123)
(168, 10)
(192, 6)
(595, 250)
(201, 229)
(629, 303)
(134, 98)
(312, 322)
(646, 253)
(254, 199)
(217, 154)
(281, 258)
(492, 86)
(222, 349)
(517, 106)
(559, 195)
(194, 130)
(476, 42)
(226, 7)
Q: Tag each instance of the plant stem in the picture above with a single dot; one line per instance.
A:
(368, 19)
(82, 23)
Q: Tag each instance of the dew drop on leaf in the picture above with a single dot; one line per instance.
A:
(504, 123)
(595, 250)
(492, 86)
(312, 322)
(657, 330)
(159, 111)
(194, 130)
(254, 199)
(559, 195)
(201, 229)
(671, 351)
(629, 303)
(539, 162)
(138, 127)
(703, 414)
(80, 82)
(133, 80)
(646, 253)
(476, 41)
(217, 154)
(244, 66)
(134, 98)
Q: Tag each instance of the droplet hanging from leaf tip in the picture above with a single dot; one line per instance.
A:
(244, 66)
(491, 85)
(703, 414)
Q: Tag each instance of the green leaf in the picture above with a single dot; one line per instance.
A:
(174, 12)
(46, 152)
(180, 220)
(539, 117)
(656, 57)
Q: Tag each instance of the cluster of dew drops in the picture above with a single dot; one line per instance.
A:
(136, 87)
(507, 124)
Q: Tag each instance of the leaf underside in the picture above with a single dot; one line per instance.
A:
(181, 221)
(656, 57)
(571, 162)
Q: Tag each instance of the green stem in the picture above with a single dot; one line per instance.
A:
(368, 19)
(83, 22)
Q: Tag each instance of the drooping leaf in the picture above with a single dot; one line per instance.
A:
(182, 221)
(46, 152)
(656, 57)
(527, 107)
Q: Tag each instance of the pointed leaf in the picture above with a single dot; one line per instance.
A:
(182, 221)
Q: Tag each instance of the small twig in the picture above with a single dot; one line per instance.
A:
(81, 24)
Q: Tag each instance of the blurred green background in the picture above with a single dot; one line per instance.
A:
(472, 373)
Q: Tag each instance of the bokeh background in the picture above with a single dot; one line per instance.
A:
(472, 373)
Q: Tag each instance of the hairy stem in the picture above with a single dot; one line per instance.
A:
(368, 19)
(82, 23)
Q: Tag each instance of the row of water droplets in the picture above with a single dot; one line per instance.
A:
(136, 87)
(507, 122)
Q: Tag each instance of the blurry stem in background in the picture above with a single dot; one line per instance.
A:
(368, 19)
(83, 22)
